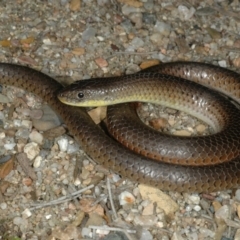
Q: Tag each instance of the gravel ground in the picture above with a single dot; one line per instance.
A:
(49, 188)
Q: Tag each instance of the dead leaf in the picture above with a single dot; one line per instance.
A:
(6, 168)
(27, 41)
(5, 43)
(54, 132)
(4, 186)
(88, 206)
(80, 215)
(78, 51)
(27, 60)
(24, 162)
(182, 45)
(75, 5)
(133, 3)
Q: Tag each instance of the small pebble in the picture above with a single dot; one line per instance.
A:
(222, 212)
(3, 206)
(197, 208)
(145, 220)
(26, 213)
(195, 199)
(48, 121)
(216, 205)
(186, 13)
(188, 208)
(101, 62)
(17, 123)
(237, 194)
(222, 63)
(32, 150)
(36, 137)
(37, 162)
(36, 113)
(146, 235)
(89, 33)
(4, 99)
(163, 28)
(126, 198)
(2, 135)
(86, 232)
(48, 216)
(17, 221)
(148, 210)
(9, 146)
(63, 144)
(27, 124)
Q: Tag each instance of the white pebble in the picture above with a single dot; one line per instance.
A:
(194, 198)
(2, 135)
(47, 41)
(27, 124)
(86, 232)
(26, 213)
(188, 208)
(65, 181)
(48, 216)
(102, 231)
(65, 218)
(37, 162)
(100, 38)
(160, 224)
(32, 150)
(197, 208)
(222, 63)
(64, 192)
(17, 123)
(9, 146)
(3, 205)
(97, 191)
(72, 148)
(186, 13)
(77, 182)
(115, 177)
(63, 144)
(36, 137)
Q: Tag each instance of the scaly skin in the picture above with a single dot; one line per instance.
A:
(171, 91)
(114, 156)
